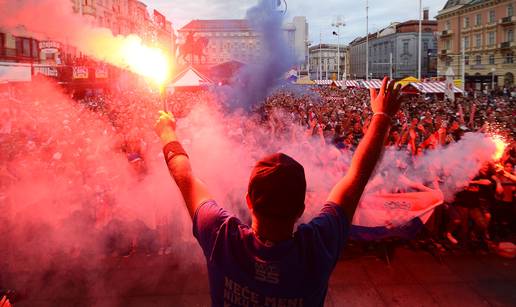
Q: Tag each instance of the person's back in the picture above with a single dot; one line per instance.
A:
(268, 263)
(245, 270)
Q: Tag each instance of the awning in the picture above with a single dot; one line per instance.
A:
(373, 83)
(434, 87)
(352, 83)
(408, 80)
(190, 77)
(323, 82)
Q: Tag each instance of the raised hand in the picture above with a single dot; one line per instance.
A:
(387, 100)
(165, 123)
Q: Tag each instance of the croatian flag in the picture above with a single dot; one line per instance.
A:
(381, 216)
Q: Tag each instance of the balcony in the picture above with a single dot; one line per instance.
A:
(477, 27)
(88, 10)
(443, 52)
(507, 21)
(507, 45)
(477, 67)
(446, 33)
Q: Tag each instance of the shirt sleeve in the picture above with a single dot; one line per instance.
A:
(327, 232)
(207, 221)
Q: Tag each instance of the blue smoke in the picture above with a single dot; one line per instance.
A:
(254, 81)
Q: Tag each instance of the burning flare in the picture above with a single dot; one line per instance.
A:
(151, 63)
(500, 146)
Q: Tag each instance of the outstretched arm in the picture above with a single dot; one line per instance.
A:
(193, 190)
(349, 189)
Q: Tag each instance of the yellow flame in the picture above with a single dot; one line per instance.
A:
(151, 63)
(500, 147)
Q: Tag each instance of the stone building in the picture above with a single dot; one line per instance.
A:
(227, 40)
(122, 17)
(476, 39)
(323, 62)
(394, 51)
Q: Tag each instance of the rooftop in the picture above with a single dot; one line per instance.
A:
(217, 25)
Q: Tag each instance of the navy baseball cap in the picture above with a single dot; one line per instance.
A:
(277, 187)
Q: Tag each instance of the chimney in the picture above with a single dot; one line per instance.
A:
(425, 13)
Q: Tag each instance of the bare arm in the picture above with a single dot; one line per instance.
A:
(348, 191)
(194, 191)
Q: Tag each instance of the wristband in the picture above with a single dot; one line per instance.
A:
(384, 114)
(172, 150)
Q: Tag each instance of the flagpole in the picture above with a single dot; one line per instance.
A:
(419, 43)
(367, 40)
(320, 55)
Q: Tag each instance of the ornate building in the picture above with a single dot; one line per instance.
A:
(476, 39)
(394, 49)
(217, 41)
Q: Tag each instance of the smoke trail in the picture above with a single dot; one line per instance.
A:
(255, 81)
(69, 196)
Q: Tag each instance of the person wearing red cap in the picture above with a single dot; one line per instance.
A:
(270, 263)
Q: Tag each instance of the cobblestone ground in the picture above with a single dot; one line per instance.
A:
(410, 278)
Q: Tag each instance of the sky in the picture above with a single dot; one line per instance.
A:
(320, 13)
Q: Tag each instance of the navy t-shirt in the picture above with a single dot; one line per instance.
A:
(244, 271)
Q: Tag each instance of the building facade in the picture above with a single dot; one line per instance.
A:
(324, 62)
(122, 17)
(476, 39)
(225, 40)
(393, 51)
(358, 56)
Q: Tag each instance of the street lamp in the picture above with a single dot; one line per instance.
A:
(338, 23)
(492, 78)
(308, 44)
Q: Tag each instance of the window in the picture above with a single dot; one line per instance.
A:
(466, 22)
(447, 44)
(478, 40)
(491, 59)
(509, 36)
(466, 60)
(492, 16)
(491, 36)
(478, 60)
(26, 47)
(447, 25)
(478, 20)
(466, 42)
(510, 10)
(2, 43)
(509, 58)
(406, 46)
(425, 45)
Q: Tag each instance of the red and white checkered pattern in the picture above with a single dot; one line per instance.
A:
(323, 82)
(352, 83)
(373, 83)
(438, 87)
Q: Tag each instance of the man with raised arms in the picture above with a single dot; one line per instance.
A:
(269, 263)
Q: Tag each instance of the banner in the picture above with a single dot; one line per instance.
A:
(80, 72)
(393, 215)
(448, 90)
(449, 85)
(101, 72)
(14, 72)
(46, 71)
(49, 47)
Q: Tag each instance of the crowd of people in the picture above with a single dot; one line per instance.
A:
(483, 211)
